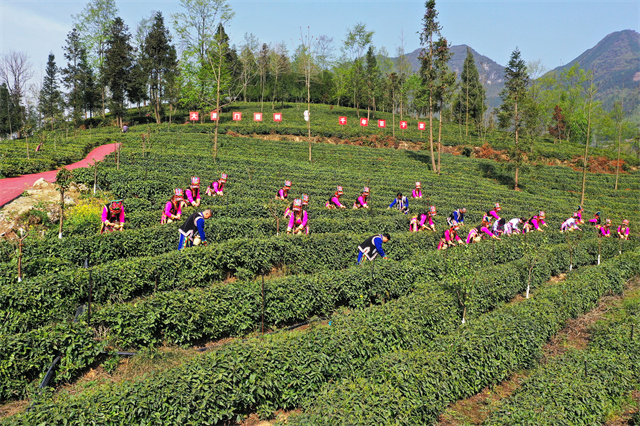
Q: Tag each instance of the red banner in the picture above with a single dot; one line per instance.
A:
(237, 116)
(257, 116)
(403, 125)
(277, 116)
(214, 115)
(194, 116)
(422, 125)
(342, 121)
(364, 122)
(382, 123)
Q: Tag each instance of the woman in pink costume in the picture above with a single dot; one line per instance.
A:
(283, 192)
(298, 219)
(217, 187)
(605, 230)
(417, 191)
(578, 215)
(536, 222)
(495, 213)
(193, 192)
(623, 230)
(479, 232)
(363, 200)
(334, 202)
(450, 237)
(173, 208)
(112, 217)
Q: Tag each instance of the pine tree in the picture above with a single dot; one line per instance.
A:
(50, 99)
(73, 75)
(446, 81)
(118, 65)
(469, 105)
(8, 121)
(431, 28)
(159, 62)
(372, 73)
(510, 112)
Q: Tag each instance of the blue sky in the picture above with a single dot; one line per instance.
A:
(554, 32)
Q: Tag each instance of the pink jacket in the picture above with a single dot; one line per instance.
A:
(605, 231)
(474, 232)
(416, 193)
(537, 222)
(624, 231)
(295, 221)
(362, 201)
(168, 206)
(105, 215)
(495, 214)
(189, 194)
(336, 201)
(217, 186)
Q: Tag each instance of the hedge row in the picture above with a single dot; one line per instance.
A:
(235, 308)
(415, 386)
(282, 370)
(55, 296)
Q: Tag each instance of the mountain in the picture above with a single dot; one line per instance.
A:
(491, 73)
(615, 62)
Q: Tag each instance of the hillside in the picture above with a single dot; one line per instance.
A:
(615, 61)
(491, 73)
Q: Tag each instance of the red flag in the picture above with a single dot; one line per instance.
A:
(257, 116)
(214, 115)
(403, 125)
(342, 121)
(277, 116)
(194, 116)
(422, 125)
(364, 122)
(237, 116)
(382, 123)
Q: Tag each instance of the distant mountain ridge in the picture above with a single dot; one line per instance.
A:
(615, 61)
(491, 73)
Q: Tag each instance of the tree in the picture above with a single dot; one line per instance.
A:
(617, 114)
(278, 65)
(159, 62)
(94, 24)
(15, 73)
(446, 81)
(248, 63)
(8, 121)
(196, 28)
(558, 130)
(591, 92)
(372, 78)
(118, 66)
(74, 76)
(358, 38)
(50, 99)
(430, 29)
(469, 105)
(510, 114)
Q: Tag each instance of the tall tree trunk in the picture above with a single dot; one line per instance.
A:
(515, 187)
(619, 141)
(586, 145)
(433, 159)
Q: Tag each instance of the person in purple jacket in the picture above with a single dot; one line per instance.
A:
(217, 186)
(495, 213)
(362, 202)
(298, 219)
(450, 237)
(283, 192)
(605, 230)
(112, 217)
(173, 208)
(623, 230)
(417, 191)
(476, 234)
(334, 202)
(193, 192)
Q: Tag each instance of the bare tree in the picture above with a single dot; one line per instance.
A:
(591, 91)
(15, 72)
(248, 54)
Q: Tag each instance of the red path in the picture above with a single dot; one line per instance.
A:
(11, 188)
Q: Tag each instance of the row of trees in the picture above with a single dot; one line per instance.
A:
(109, 68)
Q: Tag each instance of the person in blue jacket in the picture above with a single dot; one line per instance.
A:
(192, 230)
(457, 216)
(401, 203)
(372, 246)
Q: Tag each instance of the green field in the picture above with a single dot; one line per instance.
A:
(386, 344)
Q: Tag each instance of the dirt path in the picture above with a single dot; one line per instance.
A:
(575, 335)
(12, 188)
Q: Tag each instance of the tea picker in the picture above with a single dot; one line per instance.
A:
(192, 230)
(298, 219)
(112, 217)
(283, 192)
(372, 246)
(217, 186)
(173, 208)
(193, 192)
